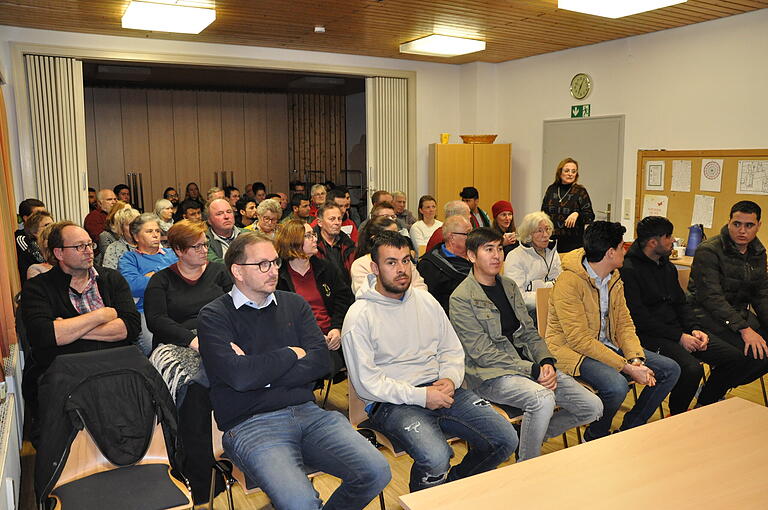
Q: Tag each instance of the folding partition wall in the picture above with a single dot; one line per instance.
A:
(386, 105)
(57, 116)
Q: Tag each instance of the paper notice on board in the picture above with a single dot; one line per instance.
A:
(711, 175)
(703, 209)
(681, 175)
(753, 177)
(655, 205)
(654, 175)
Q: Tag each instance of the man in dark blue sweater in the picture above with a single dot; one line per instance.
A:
(263, 352)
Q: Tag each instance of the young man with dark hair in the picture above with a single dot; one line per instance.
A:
(407, 364)
(232, 194)
(479, 218)
(333, 244)
(665, 323)
(190, 210)
(123, 193)
(300, 207)
(93, 202)
(26, 208)
(728, 276)
(506, 361)
(246, 208)
(261, 388)
(590, 331)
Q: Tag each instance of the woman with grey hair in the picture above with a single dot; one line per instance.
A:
(318, 194)
(164, 211)
(268, 215)
(535, 263)
(122, 226)
(138, 266)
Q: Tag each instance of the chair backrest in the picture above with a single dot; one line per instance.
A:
(85, 458)
(542, 309)
(357, 413)
(682, 276)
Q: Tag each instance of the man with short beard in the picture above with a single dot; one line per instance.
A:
(247, 208)
(407, 364)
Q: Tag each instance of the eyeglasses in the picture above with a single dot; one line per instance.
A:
(545, 230)
(267, 219)
(392, 217)
(264, 265)
(310, 235)
(82, 248)
(461, 233)
(199, 247)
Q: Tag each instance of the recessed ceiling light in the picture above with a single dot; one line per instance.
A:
(163, 16)
(614, 8)
(319, 29)
(442, 46)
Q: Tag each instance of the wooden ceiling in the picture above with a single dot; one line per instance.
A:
(512, 28)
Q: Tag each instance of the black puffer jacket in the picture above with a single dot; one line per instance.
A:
(116, 394)
(724, 282)
(443, 274)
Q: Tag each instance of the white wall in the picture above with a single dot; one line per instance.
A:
(437, 85)
(697, 87)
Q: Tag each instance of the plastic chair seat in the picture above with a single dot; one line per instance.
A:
(127, 488)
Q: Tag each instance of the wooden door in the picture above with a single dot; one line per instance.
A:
(277, 142)
(162, 156)
(452, 169)
(135, 143)
(256, 128)
(492, 174)
(109, 137)
(233, 137)
(185, 143)
(209, 138)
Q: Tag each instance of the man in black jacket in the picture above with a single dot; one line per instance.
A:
(74, 307)
(666, 324)
(446, 266)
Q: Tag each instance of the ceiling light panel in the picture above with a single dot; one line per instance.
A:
(161, 16)
(614, 8)
(442, 46)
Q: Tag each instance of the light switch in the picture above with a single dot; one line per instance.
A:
(627, 208)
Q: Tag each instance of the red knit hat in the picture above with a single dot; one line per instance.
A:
(500, 207)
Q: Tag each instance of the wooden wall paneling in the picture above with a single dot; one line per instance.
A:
(162, 157)
(136, 143)
(90, 141)
(292, 136)
(277, 142)
(492, 174)
(331, 139)
(185, 142)
(233, 137)
(209, 137)
(256, 129)
(109, 136)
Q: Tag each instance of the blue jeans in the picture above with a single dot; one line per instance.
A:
(578, 406)
(272, 449)
(612, 387)
(422, 433)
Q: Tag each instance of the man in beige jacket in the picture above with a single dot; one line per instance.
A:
(590, 331)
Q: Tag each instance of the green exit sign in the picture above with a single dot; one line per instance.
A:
(580, 110)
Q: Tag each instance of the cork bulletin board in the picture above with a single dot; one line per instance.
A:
(740, 174)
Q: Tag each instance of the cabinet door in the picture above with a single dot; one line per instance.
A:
(492, 173)
(452, 170)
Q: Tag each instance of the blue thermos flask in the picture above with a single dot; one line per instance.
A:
(695, 235)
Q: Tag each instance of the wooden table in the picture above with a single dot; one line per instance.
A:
(712, 457)
(683, 262)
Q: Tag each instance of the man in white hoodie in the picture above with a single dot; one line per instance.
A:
(407, 364)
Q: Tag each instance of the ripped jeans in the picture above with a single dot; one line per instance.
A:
(422, 434)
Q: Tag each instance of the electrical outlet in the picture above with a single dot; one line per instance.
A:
(627, 208)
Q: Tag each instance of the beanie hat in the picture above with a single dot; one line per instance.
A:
(500, 207)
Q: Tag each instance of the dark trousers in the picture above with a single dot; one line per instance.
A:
(729, 368)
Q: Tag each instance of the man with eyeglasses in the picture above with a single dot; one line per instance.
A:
(96, 220)
(74, 307)
(445, 267)
(333, 244)
(262, 383)
(729, 284)
(222, 230)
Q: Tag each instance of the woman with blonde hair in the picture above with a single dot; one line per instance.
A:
(125, 242)
(535, 263)
(268, 214)
(111, 232)
(568, 205)
(42, 242)
(33, 255)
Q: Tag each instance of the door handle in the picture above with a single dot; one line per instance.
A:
(607, 212)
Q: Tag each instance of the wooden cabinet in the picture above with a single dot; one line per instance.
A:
(487, 167)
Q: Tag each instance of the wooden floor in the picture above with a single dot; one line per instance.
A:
(326, 484)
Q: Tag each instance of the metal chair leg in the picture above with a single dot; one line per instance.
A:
(327, 391)
(565, 440)
(762, 385)
(634, 392)
(578, 435)
(381, 501)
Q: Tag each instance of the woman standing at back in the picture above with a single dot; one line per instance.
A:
(568, 205)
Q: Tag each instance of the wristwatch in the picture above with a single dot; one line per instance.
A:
(636, 361)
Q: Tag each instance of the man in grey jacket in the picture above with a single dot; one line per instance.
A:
(222, 231)
(506, 360)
